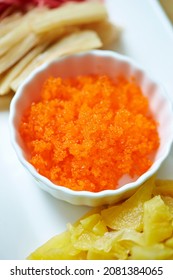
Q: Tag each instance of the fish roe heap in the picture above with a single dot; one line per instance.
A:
(86, 132)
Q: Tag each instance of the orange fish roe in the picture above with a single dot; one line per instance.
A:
(89, 131)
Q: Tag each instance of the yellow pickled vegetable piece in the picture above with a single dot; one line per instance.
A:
(117, 244)
(99, 255)
(169, 242)
(91, 221)
(58, 247)
(129, 214)
(157, 221)
(153, 252)
(168, 200)
(100, 228)
(84, 236)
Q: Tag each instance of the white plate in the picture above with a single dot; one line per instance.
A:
(29, 216)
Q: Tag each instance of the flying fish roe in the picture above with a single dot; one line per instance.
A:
(85, 133)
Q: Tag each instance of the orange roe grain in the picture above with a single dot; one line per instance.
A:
(87, 132)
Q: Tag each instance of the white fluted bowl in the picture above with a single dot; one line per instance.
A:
(95, 62)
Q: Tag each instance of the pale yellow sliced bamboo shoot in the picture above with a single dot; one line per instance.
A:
(70, 14)
(18, 68)
(17, 52)
(72, 43)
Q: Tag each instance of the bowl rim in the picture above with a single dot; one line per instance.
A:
(73, 193)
